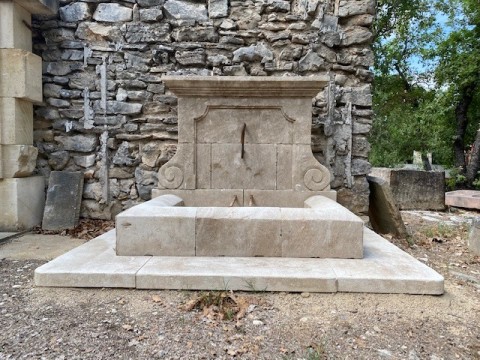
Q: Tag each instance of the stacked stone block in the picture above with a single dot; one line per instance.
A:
(21, 194)
(106, 111)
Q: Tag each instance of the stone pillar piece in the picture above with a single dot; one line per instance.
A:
(16, 121)
(15, 23)
(21, 75)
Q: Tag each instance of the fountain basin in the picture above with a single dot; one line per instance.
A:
(164, 227)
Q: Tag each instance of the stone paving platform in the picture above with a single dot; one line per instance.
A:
(384, 269)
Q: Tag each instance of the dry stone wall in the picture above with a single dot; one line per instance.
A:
(107, 113)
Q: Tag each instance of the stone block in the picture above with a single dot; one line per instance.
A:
(418, 190)
(415, 189)
(284, 167)
(238, 232)
(18, 160)
(14, 32)
(469, 199)
(64, 197)
(16, 121)
(383, 211)
(474, 237)
(205, 197)
(21, 75)
(257, 169)
(217, 8)
(204, 166)
(22, 201)
(156, 230)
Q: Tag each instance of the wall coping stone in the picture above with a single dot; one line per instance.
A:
(41, 7)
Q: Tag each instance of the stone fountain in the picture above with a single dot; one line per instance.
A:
(242, 205)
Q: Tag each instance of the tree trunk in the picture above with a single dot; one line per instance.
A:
(474, 164)
(461, 111)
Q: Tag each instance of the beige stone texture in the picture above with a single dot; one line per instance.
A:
(179, 173)
(18, 160)
(257, 169)
(1, 161)
(322, 234)
(92, 265)
(14, 31)
(385, 269)
(165, 200)
(308, 173)
(203, 165)
(238, 232)
(16, 121)
(469, 199)
(156, 231)
(20, 75)
(22, 201)
(243, 274)
(284, 167)
(205, 197)
(283, 198)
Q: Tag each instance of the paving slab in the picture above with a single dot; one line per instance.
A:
(385, 269)
(91, 265)
(38, 247)
(5, 235)
(469, 199)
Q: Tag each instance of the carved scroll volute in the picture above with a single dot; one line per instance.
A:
(178, 173)
(309, 174)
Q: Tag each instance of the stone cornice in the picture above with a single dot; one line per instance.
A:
(243, 86)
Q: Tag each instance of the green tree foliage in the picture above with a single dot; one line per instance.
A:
(426, 92)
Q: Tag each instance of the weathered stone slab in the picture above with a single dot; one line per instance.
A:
(257, 169)
(217, 8)
(64, 196)
(415, 189)
(238, 232)
(182, 10)
(14, 34)
(386, 269)
(22, 201)
(383, 212)
(156, 231)
(16, 121)
(18, 160)
(93, 265)
(474, 237)
(469, 199)
(21, 75)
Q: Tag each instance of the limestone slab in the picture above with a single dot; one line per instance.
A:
(64, 198)
(245, 274)
(14, 31)
(469, 199)
(238, 232)
(22, 201)
(205, 197)
(385, 269)
(284, 167)
(18, 160)
(474, 237)
(203, 165)
(322, 233)
(156, 231)
(16, 121)
(21, 75)
(93, 264)
(257, 169)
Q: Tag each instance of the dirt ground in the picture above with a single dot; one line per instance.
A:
(57, 323)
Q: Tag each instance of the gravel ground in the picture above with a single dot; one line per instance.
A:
(58, 323)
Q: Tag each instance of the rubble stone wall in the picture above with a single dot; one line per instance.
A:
(107, 113)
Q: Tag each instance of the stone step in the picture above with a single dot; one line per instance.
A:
(384, 269)
(323, 229)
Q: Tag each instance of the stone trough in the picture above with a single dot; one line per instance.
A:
(243, 205)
